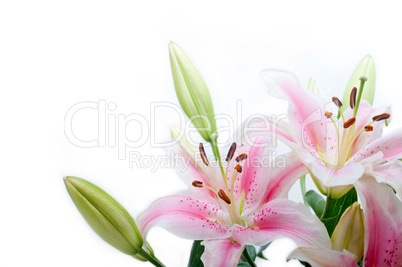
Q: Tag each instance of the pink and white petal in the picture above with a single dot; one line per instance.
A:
(329, 177)
(282, 218)
(305, 108)
(251, 183)
(221, 253)
(186, 217)
(318, 257)
(282, 176)
(383, 223)
(390, 174)
(390, 145)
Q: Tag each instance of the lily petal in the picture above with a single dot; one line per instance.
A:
(383, 223)
(282, 178)
(187, 217)
(283, 218)
(305, 113)
(318, 257)
(221, 253)
(390, 173)
(390, 145)
(346, 175)
(250, 185)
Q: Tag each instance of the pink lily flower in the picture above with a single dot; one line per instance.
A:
(247, 206)
(336, 153)
(382, 235)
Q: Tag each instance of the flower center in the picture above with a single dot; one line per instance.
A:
(347, 141)
(224, 194)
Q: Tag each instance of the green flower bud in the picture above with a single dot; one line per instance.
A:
(349, 233)
(364, 69)
(192, 92)
(105, 215)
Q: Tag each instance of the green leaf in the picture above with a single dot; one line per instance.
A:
(195, 256)
(365, 68)
(316, 202)
(261, 250)
(338, 207)
(243, 264)
(251, 251)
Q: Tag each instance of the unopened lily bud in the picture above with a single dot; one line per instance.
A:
(349, 233)
(192, 92)
(105, 215)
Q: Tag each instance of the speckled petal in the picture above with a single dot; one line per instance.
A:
(186, 217)
(383, 223)
(283, 218)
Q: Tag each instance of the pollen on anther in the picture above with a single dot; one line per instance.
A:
(349, 123)
(381, 117)
(231, 152)
(238, 168)
(337, 102)
(353, 94)
(328, 114)
(203, 155)
(223, 196)
(196, 183)
(241, 157)
(368, 128)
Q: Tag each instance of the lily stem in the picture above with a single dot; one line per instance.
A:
(303, 188)
(248, 258)
(215, 149)
(328, 206)
(152, 259)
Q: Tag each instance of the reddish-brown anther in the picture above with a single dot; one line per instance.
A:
(238, 168)
(196, 183)
(381, 117)
(368, 128)
(328, 114)
(241, 157)
(337, 102)
(223, 196)
(353, 94)
(231, 152)
(203, 155)
(349, 123)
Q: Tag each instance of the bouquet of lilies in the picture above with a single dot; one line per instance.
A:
(237, 202)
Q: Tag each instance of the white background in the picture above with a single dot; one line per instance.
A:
(55, 54)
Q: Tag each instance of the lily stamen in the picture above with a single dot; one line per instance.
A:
(241, 157)
(353, 95)
(231, 152)
(196, 183)
(349, 123)
(368, 128)
(337, 102)
(203, 155)
(381, 117)
(239, 168)
(223, 196)
(328, 114)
